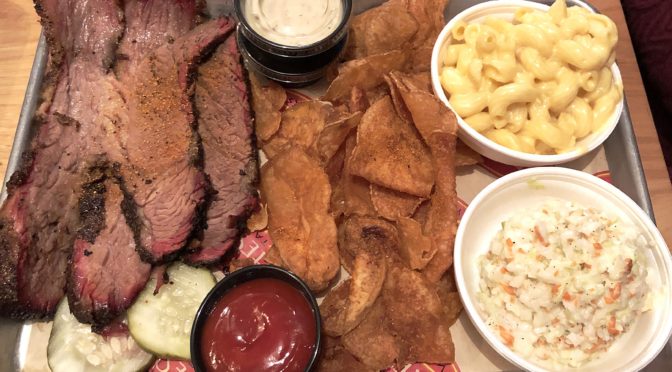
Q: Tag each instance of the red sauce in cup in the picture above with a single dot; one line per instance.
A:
(260, 325)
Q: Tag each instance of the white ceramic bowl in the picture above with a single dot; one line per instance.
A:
(645, 339)
(505, 9)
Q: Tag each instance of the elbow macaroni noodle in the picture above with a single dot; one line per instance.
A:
(537, 84)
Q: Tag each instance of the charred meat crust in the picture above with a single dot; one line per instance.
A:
(92, 211)
(201, 12)
(10, 305)
(130, 211)
(92, 222)
(55, 48)
(20, 176)
(128, 207)
(98, 319)
(92, 204)
(9, 302)
(54, 63)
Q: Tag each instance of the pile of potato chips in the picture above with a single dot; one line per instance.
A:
(364, 179)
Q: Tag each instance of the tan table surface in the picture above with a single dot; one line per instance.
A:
(19, 32)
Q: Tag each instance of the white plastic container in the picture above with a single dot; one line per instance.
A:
(497, 202)
(478, 142)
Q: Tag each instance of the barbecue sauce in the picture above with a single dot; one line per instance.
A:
(261, 325)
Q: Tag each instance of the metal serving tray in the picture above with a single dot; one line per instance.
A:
(623, 159)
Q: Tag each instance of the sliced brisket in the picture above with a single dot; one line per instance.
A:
(106, 273)
(146, 124)
(82, 29)
(38, 219)
(150, 24)
(37, 224)
(225, 126)
(161, 170)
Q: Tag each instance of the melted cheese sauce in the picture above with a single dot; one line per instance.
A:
(293, 22)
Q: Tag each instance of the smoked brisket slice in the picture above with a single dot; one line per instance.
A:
(37, 224)
(230, 161)
(106, 273)
(162, 169)
(39, 217)
(82, 29)
(150, 24)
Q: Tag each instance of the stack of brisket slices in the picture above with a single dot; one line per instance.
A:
(143, 154)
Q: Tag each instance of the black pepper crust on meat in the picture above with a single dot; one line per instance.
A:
(9, 302)
(56, 51)
(130, 211)
(20, 176)
(92, 204)
(128, 207)
(98, 298)
(54, 67)
(92, 221)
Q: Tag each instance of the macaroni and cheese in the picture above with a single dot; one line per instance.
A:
(537, 84)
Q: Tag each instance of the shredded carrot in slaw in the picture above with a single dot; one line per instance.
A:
(539, 237)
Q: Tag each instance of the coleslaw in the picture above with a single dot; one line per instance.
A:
(561, 282)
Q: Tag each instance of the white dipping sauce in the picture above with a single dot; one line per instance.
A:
(293, 22)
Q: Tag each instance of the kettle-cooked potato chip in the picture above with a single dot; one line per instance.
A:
(371, 341)
(368, 275)
(391, 204)
(356, 195)
(358, 100)
(258, 220)
(389, 153)
(334, 134)
(438, 127)
(450, 299)
(416, 24)
(301, 125)
(365, 73)
(370, 31)
(427, 112)
(415, 248)
(334, 169)
(429, 15)
(361, 234)
(466, 156)
(442, 217)
(421, 335)
(297, 194)
(267, 100)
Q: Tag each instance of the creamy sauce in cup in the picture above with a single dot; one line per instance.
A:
(293, 22)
